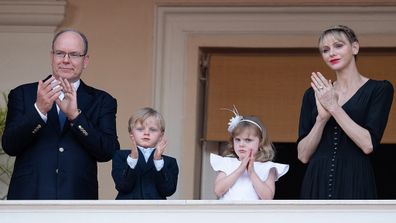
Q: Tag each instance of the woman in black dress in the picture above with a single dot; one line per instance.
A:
(341, 123)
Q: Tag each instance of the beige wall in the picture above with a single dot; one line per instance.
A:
(121, 44)
(121, 36)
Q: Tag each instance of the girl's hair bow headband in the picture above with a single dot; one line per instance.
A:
(234, 121)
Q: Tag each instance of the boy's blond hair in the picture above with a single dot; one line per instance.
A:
(144, 113)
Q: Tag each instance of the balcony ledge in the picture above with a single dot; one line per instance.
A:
(350, 211)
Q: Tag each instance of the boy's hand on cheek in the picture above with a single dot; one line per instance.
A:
(134, 153)
(160, 148)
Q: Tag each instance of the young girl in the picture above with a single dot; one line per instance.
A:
(143, 172)
(246, 172)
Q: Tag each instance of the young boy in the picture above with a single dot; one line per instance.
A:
(144, 172)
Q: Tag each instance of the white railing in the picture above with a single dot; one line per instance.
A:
(190, 211)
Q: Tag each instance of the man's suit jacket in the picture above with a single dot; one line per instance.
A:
(144, 182)
(55, 164)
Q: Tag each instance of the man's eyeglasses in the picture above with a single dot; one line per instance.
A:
(72, 55)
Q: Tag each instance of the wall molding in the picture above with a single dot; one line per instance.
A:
(31, 16)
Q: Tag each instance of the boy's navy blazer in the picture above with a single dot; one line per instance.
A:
(144, 182)
(55, 164)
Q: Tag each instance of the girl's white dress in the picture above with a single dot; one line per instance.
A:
(243, 187)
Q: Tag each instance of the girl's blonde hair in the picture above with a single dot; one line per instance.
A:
(144, 113)
(266, 150)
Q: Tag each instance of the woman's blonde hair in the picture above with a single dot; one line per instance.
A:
(338, 32)
(144, 113)
(266, 150)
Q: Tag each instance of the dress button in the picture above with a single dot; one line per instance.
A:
(335, 138)
(61, 149)
(56, 171)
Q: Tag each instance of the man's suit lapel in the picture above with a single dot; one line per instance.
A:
(84, 97)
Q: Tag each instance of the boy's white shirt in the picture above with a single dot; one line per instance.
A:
(146, 153)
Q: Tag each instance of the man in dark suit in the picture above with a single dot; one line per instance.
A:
(59, 128)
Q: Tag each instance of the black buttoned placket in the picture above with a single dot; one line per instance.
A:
(331, 182)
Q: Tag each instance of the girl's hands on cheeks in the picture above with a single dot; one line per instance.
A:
(245, 161)
(250, 167)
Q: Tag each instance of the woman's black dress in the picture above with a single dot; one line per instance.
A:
(339, 169)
